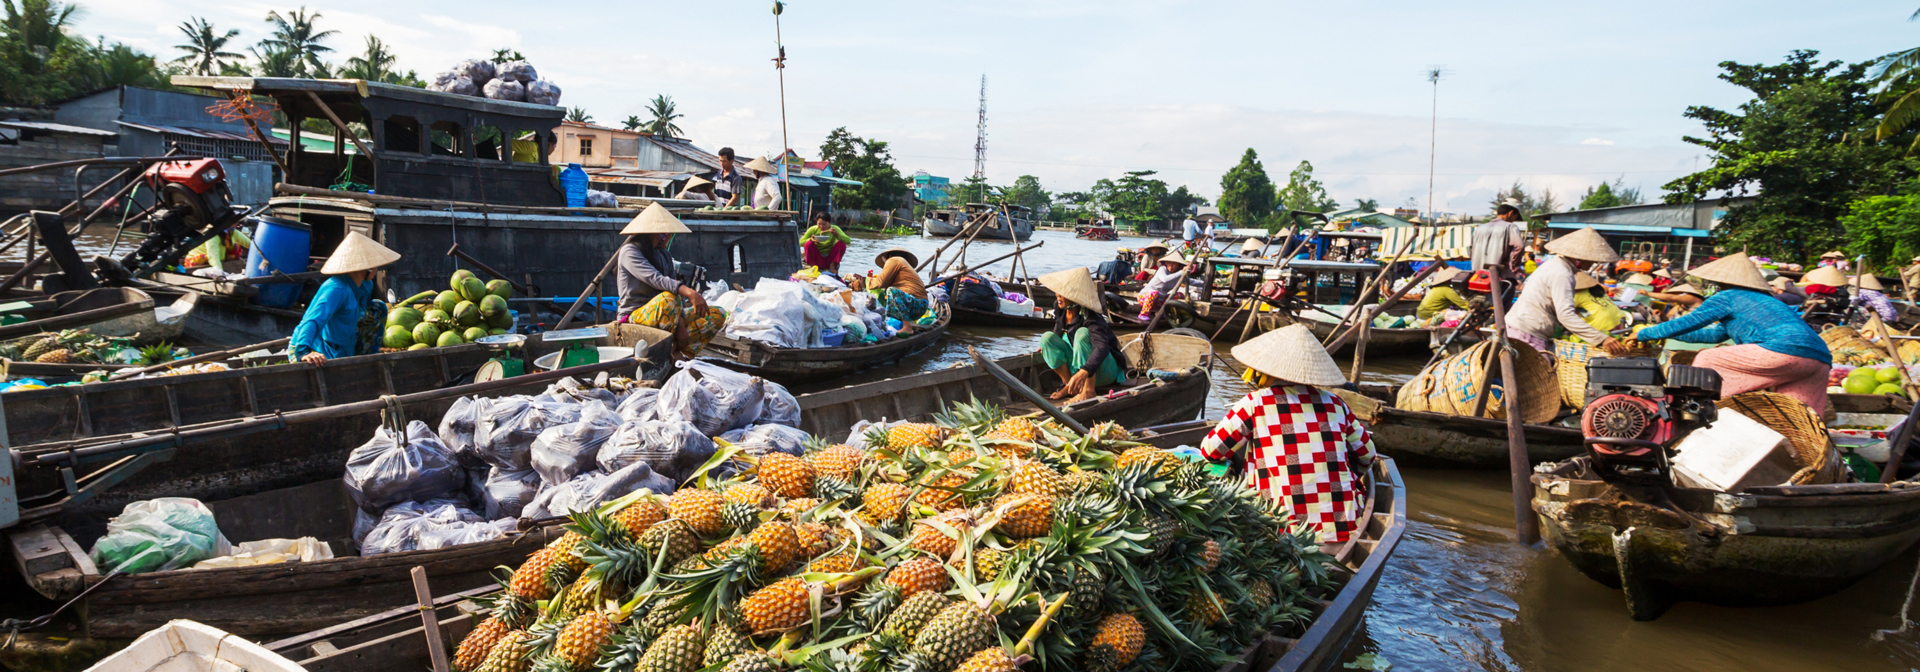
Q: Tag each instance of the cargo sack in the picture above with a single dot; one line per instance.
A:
(519, 71)
(157, 535)
(762, 439)
(638, 405)
(479, 70)
(977, 296)
(588, 491)
(402, 525)
(778, 407)
(449, 82)
(455, 534)
(505, 89)
(543, 92)
(711, 398)
(270, 552)
(671, 448)
(508, 426)
(564, 451)
(570, 390)
(385, 471)
(456, 427)
(507, 493)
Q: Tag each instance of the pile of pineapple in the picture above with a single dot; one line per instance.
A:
(975, 543)
(84, 347)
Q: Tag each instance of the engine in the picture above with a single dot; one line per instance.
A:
(1635, 414)
(194, 205)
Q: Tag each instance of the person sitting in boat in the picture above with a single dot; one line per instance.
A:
(649, 294)
(333, 326)
(1869, 294)
(1683, 298)
(229, 246)
(1546, 303)
(697, 189)
(1149, 260)
(824, 244)
(766, 186)
(1591, 301)
(1081, 347)
(1117, 269)
(1773, 349)
(1443, 291)
(1162, 285)
(1787, 292)
(1910, 281)
(1307, 450)
(1834, 260)
(899, 287)
(1662, 279)
(1253, 248)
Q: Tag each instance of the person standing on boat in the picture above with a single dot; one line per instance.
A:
(1910, 281)
(1443, 291)
(1081, 347)
(1307, 450)
(332, 326)
(1869, 294)
(901, 291)
(697, 189)
(766, 187)
(727, 183)
(1773, 349)
(1191, 231)
(649, 294)
(823, 245)
(1162, 286)
(1500, 241)
(1546, 304)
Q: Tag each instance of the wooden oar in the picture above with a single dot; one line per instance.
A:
(969, 269)
(229, 352)
(1021, 389)
(584, 292)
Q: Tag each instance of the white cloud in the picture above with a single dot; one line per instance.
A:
(1597, 141)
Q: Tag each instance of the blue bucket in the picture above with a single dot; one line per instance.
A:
(282, 245)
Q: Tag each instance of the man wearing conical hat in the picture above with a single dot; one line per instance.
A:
(1307, 451)
(1773, 348)
(331, 327)
(766, 187)
(1163, 285)
(650, 294)
(1547, 303)
(1869, 294)
(1081, 347)
(1443, 290)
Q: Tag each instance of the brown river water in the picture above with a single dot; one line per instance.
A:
(1460, 593)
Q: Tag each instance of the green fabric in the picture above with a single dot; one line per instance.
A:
(1437, 299)
(839, 235)
(1057, 353)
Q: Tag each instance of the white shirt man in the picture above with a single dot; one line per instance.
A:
(1190, 230)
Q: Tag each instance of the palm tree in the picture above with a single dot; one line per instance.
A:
(272, 61)
(1895, 75)
(376, 65)
(632, 123)
(295, 34)
(121, 65)
(663, 115)
(39, 27)
(203, 47)
(579, 114)
(506, 55)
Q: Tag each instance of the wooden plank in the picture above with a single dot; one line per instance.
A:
(36, 551)
(429, 624)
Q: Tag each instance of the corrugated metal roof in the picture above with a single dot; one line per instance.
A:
(799, 181)
(198, 132)
(686, 149)
(57, 128)
(650, 178)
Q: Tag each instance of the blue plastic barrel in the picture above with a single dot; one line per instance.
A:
(573, 181)
(278, 245)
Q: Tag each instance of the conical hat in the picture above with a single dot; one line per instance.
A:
(1584, 281)
(1684, 288)
(357, 253)
(1734, 270)
(1640, 279)
(1783, 284)
(1824, 275)
(762, 165)
(1252, 244)
(697, 181)
(1291, 354)
(1585, 245)
(1076, 285)
(881, 258)
(1155, 246)
(655, 219)
(1833, 255)
(1867, 281)
(1445, 275)
(1173, 258)
(1662, 273)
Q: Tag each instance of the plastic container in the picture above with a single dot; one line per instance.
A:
(573, 181)
(278, 245)
(833, 337)
(1016, 308)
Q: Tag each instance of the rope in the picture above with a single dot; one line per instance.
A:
(1905, 608)
(394, 417)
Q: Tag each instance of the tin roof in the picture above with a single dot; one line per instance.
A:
(57, 128)
(207, 133)
(650, 178)
(687, 150)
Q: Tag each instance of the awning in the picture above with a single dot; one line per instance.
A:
(57, 128)
(1635, 229)
(799, 181)
(836, 180)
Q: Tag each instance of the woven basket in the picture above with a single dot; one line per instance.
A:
(1540, 401)
(1839, 334)
(1453, 385)
(1572, 361)
(1813, 449)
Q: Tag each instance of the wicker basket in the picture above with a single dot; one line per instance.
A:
(1448, 386)
(1813, 449)
(1572, 361)
(1539, 400)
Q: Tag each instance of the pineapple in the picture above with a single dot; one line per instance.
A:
(675, 536)
(953, 634)
(748, 493)
(913, 614)
(988, 562)
(779, 545)
(475, 646)
(837, 563)
(509, 655)
(1209, 556)
(961, 456)
(725, 644)
(927, 537)
(55, 356)
(701, 509)
(566, 561)
(1083, 593)
(1260, 593)
(1203, 610)
(1116, 643)
(993, 659)
(838, 461)
(793, 509)
(1031, 516)
(917, 575)
(579, 643)
(574, 600)
(816, 538)
(786, 475)
(1077, 480)
(1030, 476)
(1016, 429)
(939, 493)
(41, 347)
(751, 661)
(781, 606)
(527, 586)
(676, 650)
(1147, 454)
(915, 435)
(885, 502)
(636, 518)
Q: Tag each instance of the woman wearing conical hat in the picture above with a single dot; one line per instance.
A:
(698, 189)
(331, 327)
(766, 187)
(1081, 347)
(1773, 348)
(1869, 294)
(901, 291)
(1546, 304)
(1443, 289)
(1308, 451)
(1162, 286)
(649, 293)
(1149, 259)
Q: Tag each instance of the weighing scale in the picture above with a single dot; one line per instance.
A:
(578, 346)
(508, 363)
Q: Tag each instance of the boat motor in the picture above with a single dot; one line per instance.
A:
(1635, 415)
(194, 205)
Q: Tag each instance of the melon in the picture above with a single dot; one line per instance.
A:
(426, 332)
(492, 304)
(473, 334)
(472, 289)
(1888, 375)
(1887, 388)
(447, 300)
(467, 314)
(459, 276)
(404, 317)
(500, 288)
(397, 337)
(449, 339)
(1859, 385)
(418, 346)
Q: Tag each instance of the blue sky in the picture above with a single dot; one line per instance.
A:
(1560, 95)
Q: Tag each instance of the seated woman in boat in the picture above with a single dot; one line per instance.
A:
(898, 286)
(824, 244)
(1591, 301)
(229, 246)
(1149, 260)
(1822, 281)
(649, 294)
(1682, 299)
(1162, 286)
(1787, 292)
(697, 189)
(1253, 248)
(1081, 347)
(1662, 279)
(1307, 450)
(338, 322)
(1869, 294)
(1443, 291)
(1774, 349)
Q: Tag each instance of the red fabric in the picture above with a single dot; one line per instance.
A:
(1308, 453)
(1821, 289)
(1745, 368)
(829, 261)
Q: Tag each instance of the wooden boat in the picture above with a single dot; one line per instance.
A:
(1428, 439)
(982, 318)
(1089, 232)
(1010, 222)
(794, 365)
(1410, 341)
(106, 311)
(185, 646)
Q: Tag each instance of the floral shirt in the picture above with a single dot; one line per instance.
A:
(1308, 454)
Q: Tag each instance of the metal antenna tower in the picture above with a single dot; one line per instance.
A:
(980, 143)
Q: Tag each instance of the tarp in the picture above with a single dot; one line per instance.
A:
(1446, 242)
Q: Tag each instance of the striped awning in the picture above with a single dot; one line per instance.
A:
(1443, 242)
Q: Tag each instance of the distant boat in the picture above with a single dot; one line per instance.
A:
(1099, 229)
(1010, 222)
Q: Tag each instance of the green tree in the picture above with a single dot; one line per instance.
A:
(1179, 202)
(39, 62)
(272, 61)
(120, 65)
(973, 190)
(374, 65)
(205, 49)
(1027, 192)
(1246, 193)
(1598, 197)
(506, 55)
(632, 123)
(1531, 205)
(1896, 78)
(579, 114)
(1884, 228)
(296, 36)
(663, 117)
(871, 163)
(1303, 192)
(1138, 198)
(1803, 147)
(1366, 204)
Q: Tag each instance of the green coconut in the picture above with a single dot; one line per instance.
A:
(473, 333)
(459, 276)
(501, 320)
(397, 337)
(472, 289)
(437, 316)
(449, 339)
(500, 288)
(447, 300)
(492, 304)
(496, 332)
(467, 314)
(404, 317)
(427, 332)
(418, 346)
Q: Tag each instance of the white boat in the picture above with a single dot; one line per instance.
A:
(1010, 222)
(185, 646)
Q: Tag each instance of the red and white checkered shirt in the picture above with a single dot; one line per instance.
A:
(1306, 445)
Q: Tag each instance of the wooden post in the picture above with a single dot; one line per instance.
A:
(1341, 338)
(429, 622)
(1525, 524)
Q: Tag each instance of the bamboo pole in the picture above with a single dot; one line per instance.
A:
(1525, 524)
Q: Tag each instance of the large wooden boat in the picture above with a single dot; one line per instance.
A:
(1427, 439)
(795, 365)
(106, 311)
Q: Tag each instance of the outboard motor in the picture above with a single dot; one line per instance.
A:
(195, 205)
(1635, 415)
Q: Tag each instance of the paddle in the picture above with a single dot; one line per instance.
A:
(1021, 389)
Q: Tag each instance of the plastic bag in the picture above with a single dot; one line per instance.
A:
(157, 535)
(571, 390)
(363, 523)
(507, 492)
(565, 451)
(505, 89)
(508, 426)
(401, 525)
(775, 312)
(638, 405)
(761, 439)
(448, 82)
(519, 71)
(674, 449)
(589, 490)
(479, 70)
(711, 398)
(601, 199)
(270, 552)
(455, 534)
(777, 406)
(543, 92)
(456, 427)
(384, 471)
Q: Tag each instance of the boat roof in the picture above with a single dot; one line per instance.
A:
(293, 86)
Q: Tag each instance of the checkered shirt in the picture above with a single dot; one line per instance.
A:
(1306, 445)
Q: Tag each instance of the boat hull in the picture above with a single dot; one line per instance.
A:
(1437, 440)
(1020, 229)
(798, 365)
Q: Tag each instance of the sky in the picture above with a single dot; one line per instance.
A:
(1554, 95)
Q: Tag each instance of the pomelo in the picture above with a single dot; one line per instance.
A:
(1887, 388)
(1859, 385)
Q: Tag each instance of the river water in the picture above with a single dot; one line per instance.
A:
(1459, 593)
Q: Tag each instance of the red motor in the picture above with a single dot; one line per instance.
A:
(200, 176)
(1635, 413)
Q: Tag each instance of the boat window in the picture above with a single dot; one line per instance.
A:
(487, 143)
(526, 148)
(739, 260)
(446, 139)
(402, 135)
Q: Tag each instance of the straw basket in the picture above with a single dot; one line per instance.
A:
(1448, 386)
(1171, 352)
(1813, 448)
(1572, 361)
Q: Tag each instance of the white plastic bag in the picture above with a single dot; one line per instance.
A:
(402, 525)
(456, 426)
(775, 312)
(519, 71)
(589, 490)
(270, 552)
(507, 493)
(157, 535)
(543, 92)
(386, 471)
(564, 451)
(762, 439)
(638, 405)
(673, 449)
(504, 435)
(455, 534)
(479, 70)
(505, 89)
(450, 82)
(711, 397)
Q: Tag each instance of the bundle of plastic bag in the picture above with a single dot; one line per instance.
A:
(519, 71)
(402, 524)
(638, 405)
(775, 312)
(506, 493)
(505, 89)
(508, 426)
(479, 70)
(710, 397)
(564, 451)
(543, 92)
(456, 427)
(449, 82)
(387, 470)
(672, 448)
(571, 390)
(455, 534)
(588, 491)
(762, 439)
(601, 199)
(270, 552)
(157, 535)
(778, 407)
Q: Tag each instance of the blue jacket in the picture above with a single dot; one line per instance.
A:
(1749, 318)
(331, 325)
